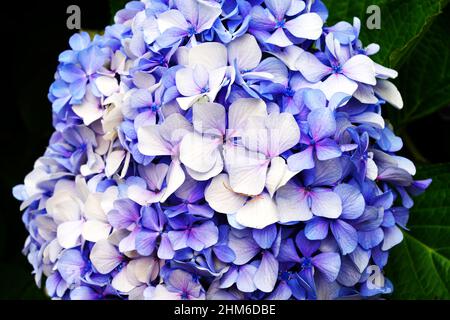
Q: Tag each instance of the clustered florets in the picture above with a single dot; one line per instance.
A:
(229, 149)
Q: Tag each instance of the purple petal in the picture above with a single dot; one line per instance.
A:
(353, 203)
(265, 237)
(327, 149)
(325, 203)
(322, 123)
(146, 242)
(71, 265)
(307, 247)
(329, 264)
(267, 273)
(316, 229)
(345, 235)
(245, 278)
(207, 234)
(301, 161)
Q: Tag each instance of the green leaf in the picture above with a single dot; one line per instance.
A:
(403, 23)
(420, 266)
(425, 78)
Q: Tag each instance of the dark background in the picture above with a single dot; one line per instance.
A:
(36, 34)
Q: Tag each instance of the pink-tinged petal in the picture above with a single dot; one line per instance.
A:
(221, 197)
(345, 235)
(322, 123)
(327, 149)
(105, 257)
(361, 69)
(292, 204)
(161, 293)
(311, 68)
(389, 92)
(247, 170)
(279, 38)
(267, 274)
(245, 51)
(258, 213)
(328, 264)
(338, 83)
(306, 26)
(172, 19)
(326, 203)
(301, 161)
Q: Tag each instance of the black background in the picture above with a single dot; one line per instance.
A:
(36, 33)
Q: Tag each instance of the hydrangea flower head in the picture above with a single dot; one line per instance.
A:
(230, 149)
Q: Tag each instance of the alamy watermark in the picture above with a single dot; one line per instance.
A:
(373, 22)
(73, 22)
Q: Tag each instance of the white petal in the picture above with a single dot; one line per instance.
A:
(199, 153)
(105, 257)
(389, 92)
(171, 19)
(113, 162)
(221, 197)
(107, 85)
(211, 55)
(338, 83)
(68, 234)
(247, 170)
(246, 51)
(121, 282)
(241, 111)
(175, 178)
(95, 231)
(312, 68)
(360, 68)
(150, 142)
(306, 26)
(278, 175)
(258, 213)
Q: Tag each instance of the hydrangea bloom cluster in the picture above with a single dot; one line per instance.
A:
(218, 149)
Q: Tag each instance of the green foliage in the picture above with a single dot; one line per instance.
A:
(420, 266)
(425, 77)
